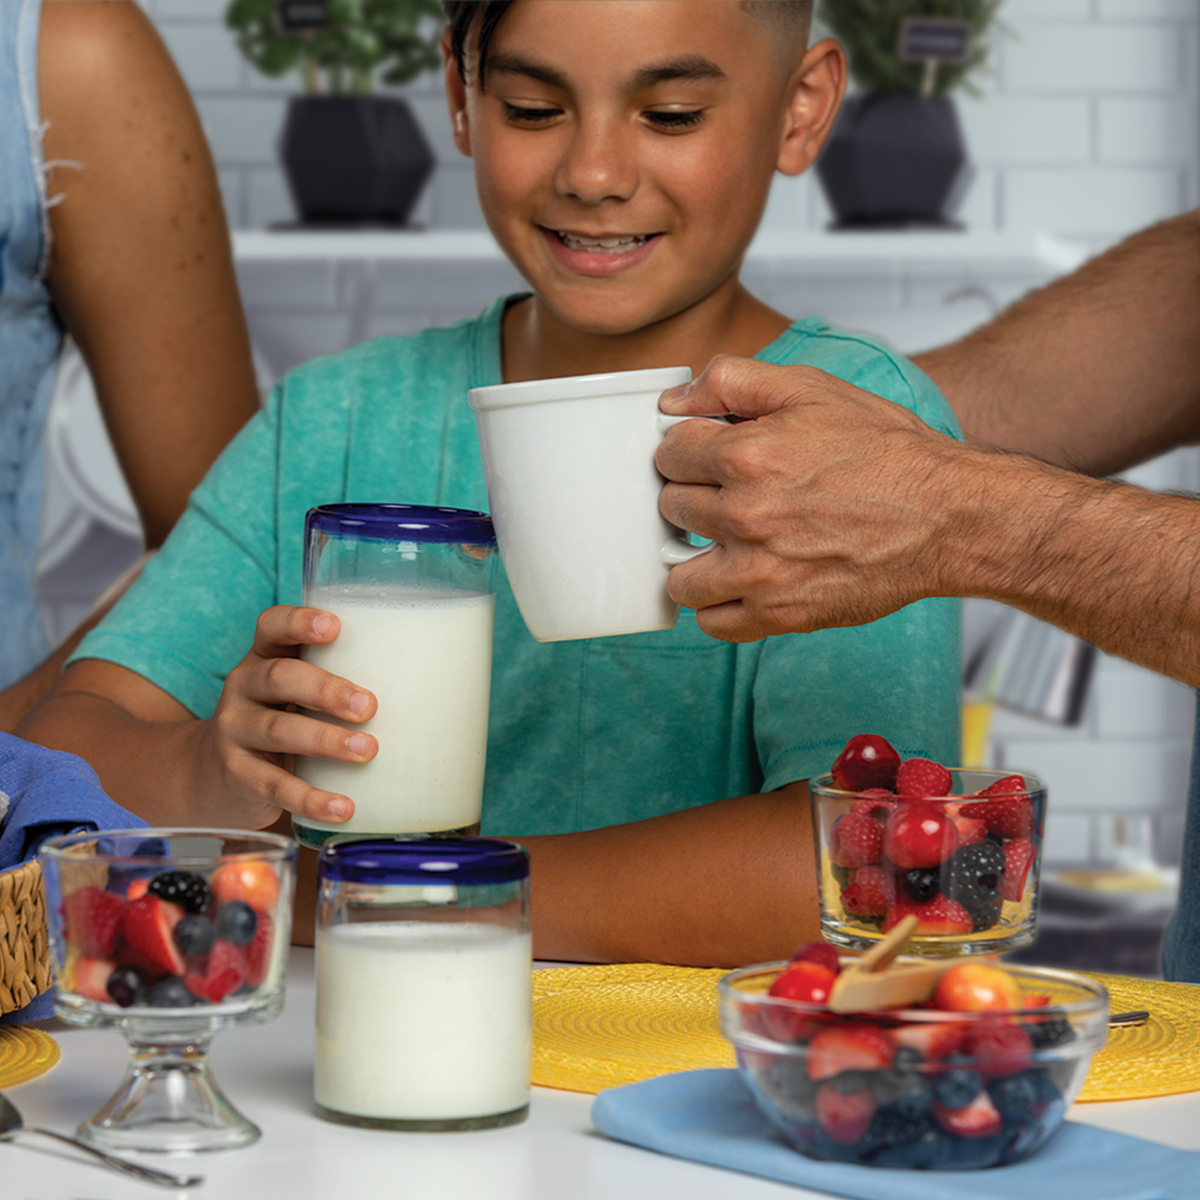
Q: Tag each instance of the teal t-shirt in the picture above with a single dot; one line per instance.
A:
(582, 734)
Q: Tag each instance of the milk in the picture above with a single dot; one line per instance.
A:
(422, 1020)
(427, 656)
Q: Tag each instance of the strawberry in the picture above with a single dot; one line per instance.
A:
(878, 803)
(859, 840)
(933, 1041)
(94, 921)
(819, 952)
(979, 1119)
(866, 761)
(148, 926)
(939, 916)
(999, 1047)
(920, 777)
(849, 1047)
(970, 832)
(252, 881)
(90, 977)
(1018, 855)
(844, 1116)
(225, 970)
(919, 835)
(137, 889)
(1006, 818)
(1004, 787)
(870, 892)
(258, 952)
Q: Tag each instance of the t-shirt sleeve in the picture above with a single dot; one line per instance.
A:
(173, 626)
(900, 676)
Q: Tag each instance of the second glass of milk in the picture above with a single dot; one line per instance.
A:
(414, 590)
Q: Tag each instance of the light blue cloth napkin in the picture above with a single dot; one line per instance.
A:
(710, 1117)
(49, 792)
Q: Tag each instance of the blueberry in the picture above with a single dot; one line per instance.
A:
(956, 1089)
(907, 1058)
(236, 922)
(930, 1151)
(125, 986)
(787, 1085)
(890, 1128)
(1014, 1097)
(916, 1099)
(169, 993)
(922, 884)
(194, 935)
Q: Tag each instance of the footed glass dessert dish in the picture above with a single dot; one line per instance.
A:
(169, 935)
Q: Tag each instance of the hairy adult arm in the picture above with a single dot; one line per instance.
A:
(1098, 371)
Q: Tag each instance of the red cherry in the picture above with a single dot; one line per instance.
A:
(919, 835)
(866, 761)
(819, 952)
(806, 981)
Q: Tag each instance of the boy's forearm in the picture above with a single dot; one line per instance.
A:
(1114, 564)
(1099, 370)
(721, 885)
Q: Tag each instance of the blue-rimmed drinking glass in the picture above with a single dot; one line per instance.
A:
(414, 590)
(424, 984)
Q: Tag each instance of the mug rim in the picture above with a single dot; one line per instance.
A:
(575, 387)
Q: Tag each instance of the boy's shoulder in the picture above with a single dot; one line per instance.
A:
(868, 363)
(433, 359)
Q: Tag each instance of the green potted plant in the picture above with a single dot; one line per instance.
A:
(896, 158)
(350, 156)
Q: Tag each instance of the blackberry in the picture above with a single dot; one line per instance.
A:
(125, 986)
(922, 884)
(890, 1130)
(973, 877)
(236, 922)
(194, 935)
(189, 891)
(1051, 1030)
(986, 915)
(1014, 1097)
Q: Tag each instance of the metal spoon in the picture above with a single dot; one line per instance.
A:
(1129, 1018)
(11, 1124)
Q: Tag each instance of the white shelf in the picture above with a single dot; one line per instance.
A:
(1034, 249)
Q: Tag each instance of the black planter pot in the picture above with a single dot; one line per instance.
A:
(895, 162)
(354, 160)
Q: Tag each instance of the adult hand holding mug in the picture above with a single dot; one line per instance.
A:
(829, 505)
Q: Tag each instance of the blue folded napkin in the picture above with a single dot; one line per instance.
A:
(48, 792)
(711, 1117)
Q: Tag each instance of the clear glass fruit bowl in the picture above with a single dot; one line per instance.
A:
(169, 935)
(965, 864)
(916, 1088)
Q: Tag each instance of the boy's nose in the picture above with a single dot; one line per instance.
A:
(599, 164)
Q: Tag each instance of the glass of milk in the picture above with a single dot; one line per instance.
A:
(424, 984)
(414, 590)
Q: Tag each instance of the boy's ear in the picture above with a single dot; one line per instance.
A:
(815, 89)
(456, 97)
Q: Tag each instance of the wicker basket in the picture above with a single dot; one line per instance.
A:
(24, 951)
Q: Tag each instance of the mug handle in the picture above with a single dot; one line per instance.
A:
(675, 550)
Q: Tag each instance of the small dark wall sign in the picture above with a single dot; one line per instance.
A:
(925, 38)
(302, 16)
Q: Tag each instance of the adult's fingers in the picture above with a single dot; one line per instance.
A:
(743, 387)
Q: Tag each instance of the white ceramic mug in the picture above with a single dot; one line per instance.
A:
(573, 492)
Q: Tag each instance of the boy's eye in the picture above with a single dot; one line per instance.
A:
(671, 119)
(530, 116)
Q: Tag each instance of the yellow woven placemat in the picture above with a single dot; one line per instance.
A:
(25, 1053)
(598, 1027)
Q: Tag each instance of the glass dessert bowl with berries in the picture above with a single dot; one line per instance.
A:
(959, 849)
(168, 935)
(979, 1074)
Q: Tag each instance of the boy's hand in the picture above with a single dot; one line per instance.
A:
(252, 731)
(829, 505)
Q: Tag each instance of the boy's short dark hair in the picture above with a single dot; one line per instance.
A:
(792, 18)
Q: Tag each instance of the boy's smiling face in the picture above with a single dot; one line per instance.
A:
(624, 149)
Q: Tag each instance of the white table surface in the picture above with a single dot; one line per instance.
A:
(267, 1072)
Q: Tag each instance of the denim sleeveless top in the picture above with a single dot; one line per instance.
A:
(30, 337)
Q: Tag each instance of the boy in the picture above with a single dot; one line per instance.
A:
(623, 153)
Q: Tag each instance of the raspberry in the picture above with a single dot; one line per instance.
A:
(859, 840)
(871, 892)
(877, 803)
(1011, 818)
(1018, 854)
(866, 761)
(921, 777)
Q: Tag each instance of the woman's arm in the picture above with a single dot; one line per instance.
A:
(141, 270)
